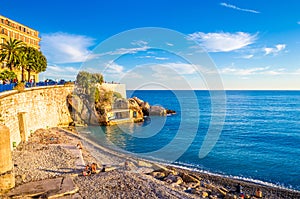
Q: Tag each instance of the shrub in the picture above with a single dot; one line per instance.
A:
(117, 95)
(68, 83)
(20, 87)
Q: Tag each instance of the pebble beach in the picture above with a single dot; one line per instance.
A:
(52, 153)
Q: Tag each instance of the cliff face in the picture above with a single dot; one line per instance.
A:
(81, 110)
(119, 110)
(103, 106)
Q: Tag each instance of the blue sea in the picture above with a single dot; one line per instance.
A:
(254, 135)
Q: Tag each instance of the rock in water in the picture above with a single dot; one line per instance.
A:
(157, 111)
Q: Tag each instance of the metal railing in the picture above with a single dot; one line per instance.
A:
(8, 87)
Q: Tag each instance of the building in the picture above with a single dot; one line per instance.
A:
(15, 30)
(12, 29)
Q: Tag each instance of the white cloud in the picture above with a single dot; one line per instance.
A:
(237, 8)
(169, 44)
(139, 43)
(123, 51)
(113, 68)
(180, 68)
(55, 68)
(253, 71)
(153, 57)
(161, 58)
(247, 56)
(59, 72)
(65, 48)
(63, 69)
(146, 57)
(275, 50)
(132, 75)
(223, 42)
(71, 69)
(239, 71)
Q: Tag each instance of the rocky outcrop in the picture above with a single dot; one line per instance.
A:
(157, 111)
(136, 110)
(150, 110)
(104, 112)
(82, 111)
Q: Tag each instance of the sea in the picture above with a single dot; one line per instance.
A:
(247, 135)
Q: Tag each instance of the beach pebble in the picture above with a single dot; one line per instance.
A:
(158, 175)
(130, 166)
(144, 164)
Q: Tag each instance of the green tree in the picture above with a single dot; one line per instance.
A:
(10, 52)
(6, 74)
(32, 60)
(86, 81)
(37, 62)
(23, 63)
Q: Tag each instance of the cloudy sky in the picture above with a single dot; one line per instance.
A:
(249, 44)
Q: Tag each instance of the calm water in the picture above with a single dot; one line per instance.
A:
(260, 139)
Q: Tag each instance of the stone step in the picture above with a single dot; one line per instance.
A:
(49, 188)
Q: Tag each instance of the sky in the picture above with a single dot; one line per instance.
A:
(191, 44)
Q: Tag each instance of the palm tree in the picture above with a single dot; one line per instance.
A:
(36, 61)
(23, 62)
(10, 52)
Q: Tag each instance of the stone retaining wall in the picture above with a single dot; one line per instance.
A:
(39, 107)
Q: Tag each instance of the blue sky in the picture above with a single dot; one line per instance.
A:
(253, 44)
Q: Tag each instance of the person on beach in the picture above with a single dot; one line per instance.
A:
(79, 145)
(239, 188)
(258, 193)
(94, 168)
(87, 170)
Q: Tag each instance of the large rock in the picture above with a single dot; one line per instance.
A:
(173, 179)
(138, 101)
(120, 103)
(136, 111)
(146, 108)
(157, 111)
(82, 110)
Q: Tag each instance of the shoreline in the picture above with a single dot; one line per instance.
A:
(127, 176)
(183, 167)
(233, 179)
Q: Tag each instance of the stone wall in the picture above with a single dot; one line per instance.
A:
(40, 107)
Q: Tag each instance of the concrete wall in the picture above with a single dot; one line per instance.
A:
(39, 107)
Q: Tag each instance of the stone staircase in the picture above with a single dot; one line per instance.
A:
(60, 187)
